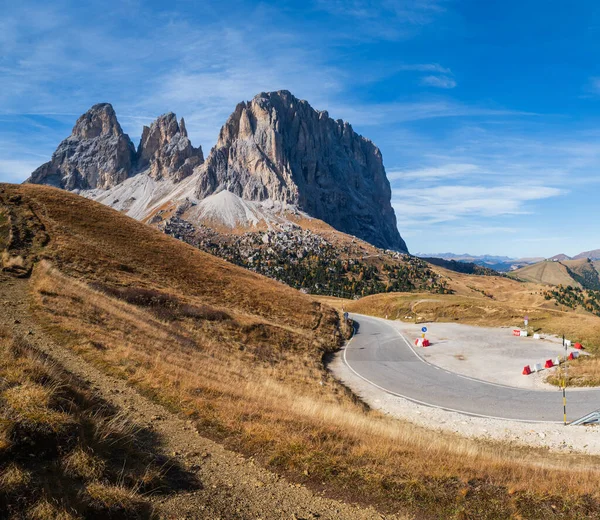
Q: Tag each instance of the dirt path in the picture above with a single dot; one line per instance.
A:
(232, 487)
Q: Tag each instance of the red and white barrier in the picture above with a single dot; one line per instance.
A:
(550, 363)
(578, 346)
(422, 342)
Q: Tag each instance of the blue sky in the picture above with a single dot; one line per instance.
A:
(487, 113)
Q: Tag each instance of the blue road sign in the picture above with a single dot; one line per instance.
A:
(424, 329)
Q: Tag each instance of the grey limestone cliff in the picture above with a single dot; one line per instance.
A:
(278, 147)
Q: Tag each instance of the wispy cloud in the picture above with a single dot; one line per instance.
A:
(424, 67)
(16, 170)
(385, 19)
(403, 112)
(438, 81)
(450, 202)
(435, 172)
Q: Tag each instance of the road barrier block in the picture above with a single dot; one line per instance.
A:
(575, 355)
(537, 336)
(426, 342)
(537, 367)
(526, 370)
(558, 360)
(523, 334)
(549, 363)
(578, 346)
(567, 343)
(516, 332)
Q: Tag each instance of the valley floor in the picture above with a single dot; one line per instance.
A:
(232, 487)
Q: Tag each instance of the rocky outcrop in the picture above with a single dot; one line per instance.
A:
(278, 147)
(97, 154)
(165, 150)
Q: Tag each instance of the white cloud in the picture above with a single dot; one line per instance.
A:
(425, 67)
(438, 81)
(451, 202)
(436, 172)
(402, 112)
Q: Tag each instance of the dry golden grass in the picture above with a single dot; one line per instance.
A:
(583, 371)
(45, 510)
(113, 498)
(547, 273)
(30, 403)
(256, 380)
(81, 463)
(14, 479)
(56, 436)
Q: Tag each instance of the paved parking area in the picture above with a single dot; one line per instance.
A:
(490, 354)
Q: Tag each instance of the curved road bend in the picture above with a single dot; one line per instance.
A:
(380, 355)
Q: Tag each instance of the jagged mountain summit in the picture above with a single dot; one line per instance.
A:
(275, 153)
(97, 154)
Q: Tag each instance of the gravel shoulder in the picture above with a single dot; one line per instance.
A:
(233, 487)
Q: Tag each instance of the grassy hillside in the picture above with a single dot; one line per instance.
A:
(241, 356)
(580, 273)
(546, 272)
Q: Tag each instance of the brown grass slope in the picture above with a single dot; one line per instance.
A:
(241, 356)
(547, 273)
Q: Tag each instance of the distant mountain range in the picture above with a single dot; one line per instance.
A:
(501, 264)
(505, 264)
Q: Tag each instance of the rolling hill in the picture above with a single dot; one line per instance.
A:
(580, 273)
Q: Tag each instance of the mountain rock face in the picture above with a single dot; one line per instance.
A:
(166, 151)
(275, 151)
(278, 147)
(97, 154)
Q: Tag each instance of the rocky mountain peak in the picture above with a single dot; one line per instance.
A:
(278, 147)
(97, 154)
(166, 150)
(100, 120)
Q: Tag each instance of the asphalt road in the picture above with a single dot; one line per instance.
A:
(380, 355)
